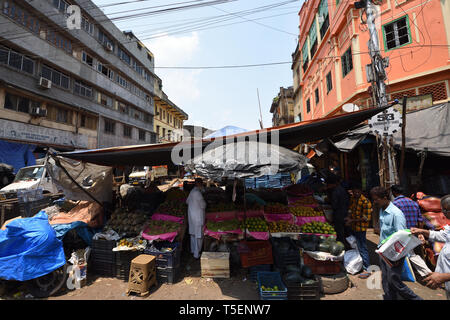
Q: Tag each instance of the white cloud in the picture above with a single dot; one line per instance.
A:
(180, 85)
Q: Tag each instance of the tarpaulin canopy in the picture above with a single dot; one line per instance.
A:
(245, 159)
(289, 136)
(225, 131)
(427, 129)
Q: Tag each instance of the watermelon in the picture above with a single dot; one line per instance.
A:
(307, 272)
(292, 268)
(293, 277)
(336, 249)
(324, 247)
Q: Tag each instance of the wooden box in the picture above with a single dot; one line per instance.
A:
(215, 264)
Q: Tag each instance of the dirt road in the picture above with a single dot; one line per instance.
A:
(192, 287)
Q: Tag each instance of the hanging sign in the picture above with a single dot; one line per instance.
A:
(386, 123)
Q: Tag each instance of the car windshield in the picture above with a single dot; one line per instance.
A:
(32, 173)
(138, 169)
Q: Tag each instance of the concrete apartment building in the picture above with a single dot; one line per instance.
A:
(283, 107)
(329, 64)
(92, 87)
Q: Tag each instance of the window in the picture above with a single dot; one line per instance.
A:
(61, 5)
(16, 60)
(57, 78)
(138, 68)
(397, 33)
(104, 40)
(105, 70)
(123, 108)
(88, 122)
(110, 126)
(329, 82)
(123, 56)
(59, 41)
(308, 106)
(20, 104)
(325, 26)
(21, 16)
(147, 118)
(64, 116)
(124, 83)
(316, 93)
(347, 63)
(87, 26)
(142, 135)
(88, 59)
(82, 89)
(127, 131)
(105, 100)
(149, 57)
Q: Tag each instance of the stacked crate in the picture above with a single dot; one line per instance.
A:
(102, 260)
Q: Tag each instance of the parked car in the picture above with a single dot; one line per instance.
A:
(29, 178)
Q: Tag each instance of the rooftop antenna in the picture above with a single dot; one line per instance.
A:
(260, 112)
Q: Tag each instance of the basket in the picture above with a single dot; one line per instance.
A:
(258, 252)
(167, 275)
(321, 267)
(271, 279)
(165, 259)
(253, 271)
(301, 291)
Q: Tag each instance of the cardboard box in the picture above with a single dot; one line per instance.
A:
(215, 264)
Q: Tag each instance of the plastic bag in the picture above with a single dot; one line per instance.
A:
(397, 246)
(352, 242)
(353, 262)
(78, 270)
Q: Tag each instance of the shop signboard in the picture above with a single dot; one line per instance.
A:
(28, 133)
(416, 103)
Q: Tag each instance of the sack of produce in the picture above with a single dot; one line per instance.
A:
(397, 246)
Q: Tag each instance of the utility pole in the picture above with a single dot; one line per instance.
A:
(260, 112)
(376, 75)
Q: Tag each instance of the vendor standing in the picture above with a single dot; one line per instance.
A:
(339, 202)
(196, 217)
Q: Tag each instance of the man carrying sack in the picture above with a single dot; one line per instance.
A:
(391, 221)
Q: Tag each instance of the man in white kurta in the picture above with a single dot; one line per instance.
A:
(196, 217)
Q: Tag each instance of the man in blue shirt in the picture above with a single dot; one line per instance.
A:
(391, 221)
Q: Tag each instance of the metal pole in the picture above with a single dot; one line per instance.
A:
(402, 159)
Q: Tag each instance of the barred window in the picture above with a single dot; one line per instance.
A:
(397, 33)
(347, 62)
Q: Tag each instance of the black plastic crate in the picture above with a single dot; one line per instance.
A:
(168, 275)
(165, 259)
(102, 244)
(102, 269)
(282, 258)
(103, 256)
(29, 209)
(301, 291)
(253, 271)
(123, 263)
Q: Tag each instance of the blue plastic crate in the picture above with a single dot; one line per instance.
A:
(271, 279)
(165, 259)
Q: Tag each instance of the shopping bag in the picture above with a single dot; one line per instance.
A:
(398, 245)
(407, 271)
(353, 262)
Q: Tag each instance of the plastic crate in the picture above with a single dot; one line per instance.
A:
(253, 271)
(97, 255)
(271, 279)
(322, 267)
(282, 259)
(165, 259)
(253, 253)
(301, 291)
(123, 263)
(168, 275)
(29, 209)
(102, 244)
(105, 269)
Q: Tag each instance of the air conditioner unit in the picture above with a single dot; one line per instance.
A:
(39, 112)
(45, 83)
(108, 46)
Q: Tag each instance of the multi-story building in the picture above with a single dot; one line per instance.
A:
(283, 107)
(73, 88)
(329, 64)
(169, 119)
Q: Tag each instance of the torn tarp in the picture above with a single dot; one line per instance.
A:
(95, 179)
(245, 159)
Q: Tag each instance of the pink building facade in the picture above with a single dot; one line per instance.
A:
(329, 64)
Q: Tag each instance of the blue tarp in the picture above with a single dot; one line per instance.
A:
(226, 131)
(17, 155)
(29, 249)
(83, 230)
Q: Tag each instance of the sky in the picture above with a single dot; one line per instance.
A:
(250, 32)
